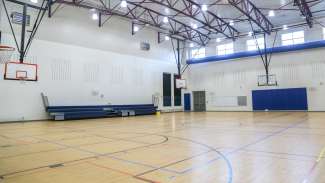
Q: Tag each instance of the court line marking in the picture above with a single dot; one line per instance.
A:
(318, 160)
(280, 153)
(173, 130)
(89, 157)
(122, 172)
(212, 149)
(250, 144)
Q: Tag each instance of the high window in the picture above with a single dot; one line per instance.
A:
(198, 53)
(225, 49)
(293, 38)
(255, 44)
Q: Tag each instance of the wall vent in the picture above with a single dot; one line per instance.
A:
(145, 46)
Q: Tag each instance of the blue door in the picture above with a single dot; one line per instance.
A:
(187, 101)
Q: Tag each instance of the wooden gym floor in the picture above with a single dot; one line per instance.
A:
(175, 147)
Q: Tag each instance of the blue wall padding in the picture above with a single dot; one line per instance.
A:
(280, 99)
(281, 49)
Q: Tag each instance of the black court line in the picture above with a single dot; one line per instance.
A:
(131, 148)
(86, 158)
(252, 143)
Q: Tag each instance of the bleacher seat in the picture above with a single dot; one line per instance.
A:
(100, 111)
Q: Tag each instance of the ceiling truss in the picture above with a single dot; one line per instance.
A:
(188, 21)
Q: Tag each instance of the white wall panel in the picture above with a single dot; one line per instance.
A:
(81, 64)
(239, 77)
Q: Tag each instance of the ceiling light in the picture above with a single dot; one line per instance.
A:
(194, 26)
(34, 1)
(231, 23)
(218, 40)
(94, 16)
(204, 7)
(135, 28)
(165, 19)
(285, 27)
(191, 45)
(167, 10)
(271, 13)
(124, 4)
(167, 38)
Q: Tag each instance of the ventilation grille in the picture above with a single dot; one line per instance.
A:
(91, 72)
(117, 74)
(61, 70)
(318, 70)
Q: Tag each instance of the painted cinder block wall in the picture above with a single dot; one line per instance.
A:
(238, 77)
(82, 64)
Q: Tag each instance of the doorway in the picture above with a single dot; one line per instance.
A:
(199, 101)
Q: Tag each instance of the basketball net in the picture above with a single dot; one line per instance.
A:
(5, 53)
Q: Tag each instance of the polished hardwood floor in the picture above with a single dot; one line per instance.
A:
(216, 147)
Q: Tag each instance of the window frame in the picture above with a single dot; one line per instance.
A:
(293, 38)
(200, 53)
(253, 46)
(225, 49)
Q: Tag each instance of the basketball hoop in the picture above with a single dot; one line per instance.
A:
(267, 80)
(5, 53)
(20, 71)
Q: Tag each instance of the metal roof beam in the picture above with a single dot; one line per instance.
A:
(253, 13)
(209, 22)
(305, 11)
(146, 16)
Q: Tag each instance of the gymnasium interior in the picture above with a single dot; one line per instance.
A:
(162, 91)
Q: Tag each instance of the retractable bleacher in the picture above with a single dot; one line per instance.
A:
(101, 111)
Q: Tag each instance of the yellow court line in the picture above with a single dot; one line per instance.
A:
(321, 155)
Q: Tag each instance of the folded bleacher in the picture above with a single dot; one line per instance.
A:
(100, 111)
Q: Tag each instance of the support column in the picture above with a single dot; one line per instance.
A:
(23, 34)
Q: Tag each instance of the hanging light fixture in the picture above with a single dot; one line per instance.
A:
(204, 7)
(165, 19)
(285, 27)
(271, 13)
(135, 28)
(94, 16)
(124, 4)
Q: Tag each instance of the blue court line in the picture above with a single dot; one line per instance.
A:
(245, 146)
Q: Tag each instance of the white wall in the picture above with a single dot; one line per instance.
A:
(81, 64)
(239, 77)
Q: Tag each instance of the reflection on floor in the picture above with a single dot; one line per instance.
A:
(207, 147)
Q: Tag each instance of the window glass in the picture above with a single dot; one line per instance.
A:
(198, 53)
(225, 49)
(293, 38)
(254, 44)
